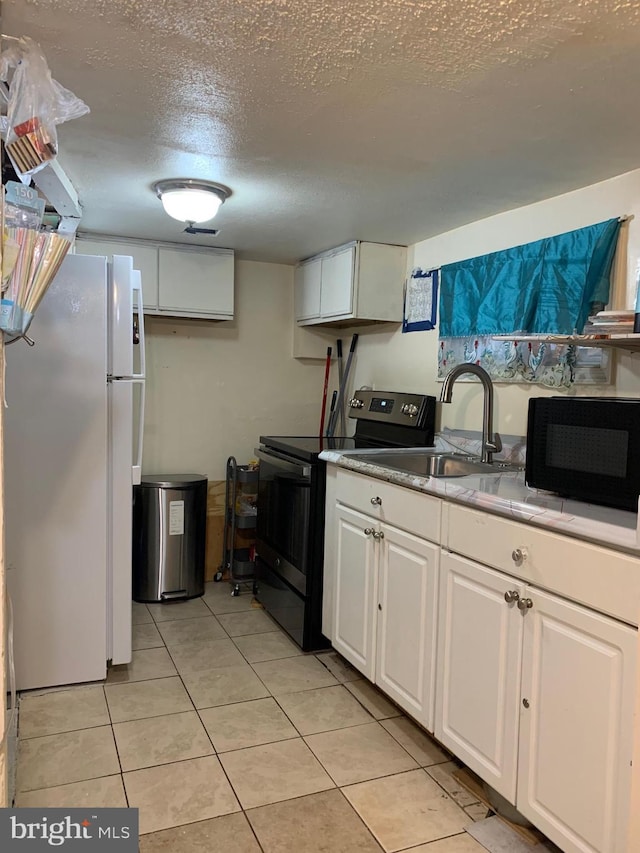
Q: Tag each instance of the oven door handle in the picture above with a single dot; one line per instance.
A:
(303, 471)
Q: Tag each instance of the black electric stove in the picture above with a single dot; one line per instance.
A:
(291, 496)
(305, 447)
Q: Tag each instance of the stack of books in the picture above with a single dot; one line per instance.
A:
(608, 323)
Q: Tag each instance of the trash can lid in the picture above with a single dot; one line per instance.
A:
(171, 481)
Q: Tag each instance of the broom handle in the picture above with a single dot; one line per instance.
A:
(343, 386)
(343, 425)
(327, 367)
(332, 409)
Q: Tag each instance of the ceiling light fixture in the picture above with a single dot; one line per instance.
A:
(189, 200)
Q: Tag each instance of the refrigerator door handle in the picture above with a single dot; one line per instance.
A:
(136, 469)
(136, 284)
(120, 345)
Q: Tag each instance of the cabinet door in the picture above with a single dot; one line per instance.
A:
(406, 624)
(355, 590)
(307, 290)
(336, 296)
(145, 259)
(576, 735)
(478, 670)
(196, 282)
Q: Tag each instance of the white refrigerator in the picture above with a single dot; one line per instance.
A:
(73, 452)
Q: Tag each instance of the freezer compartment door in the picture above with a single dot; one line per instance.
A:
(126, 416)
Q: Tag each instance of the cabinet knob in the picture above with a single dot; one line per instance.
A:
(519, 555)
(525, 702)
(377, 535)
(511, 596)
(525, 604)
(368, 531)
(376, 501)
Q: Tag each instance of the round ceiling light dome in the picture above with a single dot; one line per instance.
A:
(190, 200)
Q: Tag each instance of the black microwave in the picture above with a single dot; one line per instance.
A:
(586, 448)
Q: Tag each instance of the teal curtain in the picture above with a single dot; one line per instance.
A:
(546, 287)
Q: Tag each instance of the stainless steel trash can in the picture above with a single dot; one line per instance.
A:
(169, 534)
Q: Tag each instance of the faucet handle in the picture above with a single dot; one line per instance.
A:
(494, 446)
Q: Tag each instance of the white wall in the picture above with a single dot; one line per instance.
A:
(390, 360)
(214, 388)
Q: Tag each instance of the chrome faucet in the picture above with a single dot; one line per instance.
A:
(491, 441)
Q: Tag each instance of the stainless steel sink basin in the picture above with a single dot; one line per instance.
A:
(427, 464)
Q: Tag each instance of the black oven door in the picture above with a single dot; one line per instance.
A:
(284, 500)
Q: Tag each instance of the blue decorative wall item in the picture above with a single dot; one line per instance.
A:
(544, 287)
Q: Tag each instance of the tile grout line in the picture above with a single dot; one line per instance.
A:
(113, 734)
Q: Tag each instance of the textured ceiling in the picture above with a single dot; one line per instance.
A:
(383, 120)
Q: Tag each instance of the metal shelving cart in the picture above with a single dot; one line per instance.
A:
(240, 513)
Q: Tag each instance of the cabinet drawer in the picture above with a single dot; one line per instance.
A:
(605, 580)
(404, 508)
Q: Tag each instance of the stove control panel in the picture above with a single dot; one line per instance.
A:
(409, 409)
(390, 406)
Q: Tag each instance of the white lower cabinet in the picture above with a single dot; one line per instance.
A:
(385, 597)
(536, 694)
(356, 589)
(531, 688)
(576, 725)
(479, 660)
(406, 627)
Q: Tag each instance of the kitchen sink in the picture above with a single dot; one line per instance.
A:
(429, 464)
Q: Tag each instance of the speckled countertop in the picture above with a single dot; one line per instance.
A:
(507, 494)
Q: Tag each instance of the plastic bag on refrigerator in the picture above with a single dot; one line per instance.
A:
(37, 104)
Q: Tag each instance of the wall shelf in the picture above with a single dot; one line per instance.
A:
(629, 342)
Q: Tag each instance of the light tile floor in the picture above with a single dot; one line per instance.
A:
(227, 737)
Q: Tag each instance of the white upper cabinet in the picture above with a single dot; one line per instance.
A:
(358, 281)
(307, 289)
(336, 295)
(178, 281)
(198, 282)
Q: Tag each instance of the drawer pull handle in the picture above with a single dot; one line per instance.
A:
(519, 555)
(377, 501)
(511, 596)
(377, 535)
(368, 531)
(525, 604)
